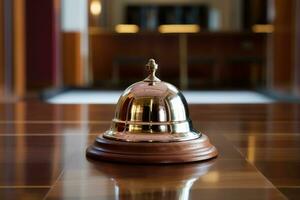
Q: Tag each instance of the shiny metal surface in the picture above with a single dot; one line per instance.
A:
(152, 111)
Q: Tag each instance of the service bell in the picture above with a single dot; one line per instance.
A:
(152, 125)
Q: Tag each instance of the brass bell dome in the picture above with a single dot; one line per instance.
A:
(152, 125)
(152, 111)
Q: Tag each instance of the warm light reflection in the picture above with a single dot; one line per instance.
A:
(263, 28)
(211, 177)
(126, 28)
(95, 7)
(251, 148)
(179, 28)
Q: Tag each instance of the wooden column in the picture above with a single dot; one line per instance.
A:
(297, 50)
(12, 48)
(75, 43)
(19, 47)
(1, 49)
(72, 59)
(283, 46)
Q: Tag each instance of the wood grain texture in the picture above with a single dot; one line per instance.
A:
(297, 50)
(19, 57)
(72, 59)
(232, 56)
(42, 155)
(284, 38)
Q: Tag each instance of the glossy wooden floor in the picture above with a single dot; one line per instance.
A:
(43, 155)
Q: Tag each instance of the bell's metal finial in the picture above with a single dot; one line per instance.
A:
(152, 67)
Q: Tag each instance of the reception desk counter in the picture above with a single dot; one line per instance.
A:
(194, 60)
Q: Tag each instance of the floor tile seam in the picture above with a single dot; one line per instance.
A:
(24, 186)
(53, 185)
(259, 172)
(288, 186)
(54, 122)
(47, 134)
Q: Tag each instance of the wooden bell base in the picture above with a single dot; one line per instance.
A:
(152, 153)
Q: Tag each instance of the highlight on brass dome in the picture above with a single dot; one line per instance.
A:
(152, 110)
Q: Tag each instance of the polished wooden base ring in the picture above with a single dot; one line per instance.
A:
(143, 152)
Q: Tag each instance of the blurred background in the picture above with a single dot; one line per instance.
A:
(54, 46)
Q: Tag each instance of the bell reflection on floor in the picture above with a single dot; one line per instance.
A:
(157, 182)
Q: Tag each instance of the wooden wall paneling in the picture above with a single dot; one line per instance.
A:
(297, 49)
(227, 60)
(72, 59)
(183, 61)
(107, 48)
(283, 46)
